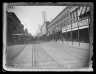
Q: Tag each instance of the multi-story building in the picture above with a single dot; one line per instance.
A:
(79, 24)
(71, 25)
(55, 26)
(14, 27)
(43, 30)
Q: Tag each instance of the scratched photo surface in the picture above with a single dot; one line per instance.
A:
(47, 37)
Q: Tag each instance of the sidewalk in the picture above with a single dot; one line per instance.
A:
(69, 57)
(75, 44)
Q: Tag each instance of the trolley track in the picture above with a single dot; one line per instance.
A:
(33, 56)
(47, 56)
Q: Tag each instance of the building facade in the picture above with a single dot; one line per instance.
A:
(71, 25)
(43, 31)
(15, 30)
(14, 26)
(55, 27)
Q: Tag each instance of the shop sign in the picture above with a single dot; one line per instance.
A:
(74, 29)
(69, 27)
(74, 25)
(63, 29)
(83, 22)
(83, 27)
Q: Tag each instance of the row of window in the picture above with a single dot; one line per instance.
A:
(72, 17)
(60, 19)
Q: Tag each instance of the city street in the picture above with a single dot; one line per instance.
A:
(49, 55)
(47, 38)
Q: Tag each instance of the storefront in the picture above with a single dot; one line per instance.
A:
(77, 29)
(84, 30)
(75, 32)
(58, 33)
(80, 20)
(50, 35)
(69, 38)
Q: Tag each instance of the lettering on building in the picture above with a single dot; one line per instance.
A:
(63, 29)
(83, 22)
(74, 25)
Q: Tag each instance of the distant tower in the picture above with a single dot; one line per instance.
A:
(44, 16)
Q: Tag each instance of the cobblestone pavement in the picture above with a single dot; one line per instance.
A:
(31, 57)
(69, 57)
(12, 52)
(45, 56)
(43, 60)
(23, 59)
(79, 53)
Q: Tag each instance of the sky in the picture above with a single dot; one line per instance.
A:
(31, 16)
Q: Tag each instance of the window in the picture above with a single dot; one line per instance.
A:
(76, 11)
(59, 20)
(82, 12)
(56, 21)
(70, 18)
(87, 13)
(88, 9)
(67, 22)
(64, 23)
(73, 16)
(62, 17)
(67, 14)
